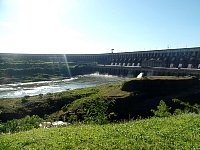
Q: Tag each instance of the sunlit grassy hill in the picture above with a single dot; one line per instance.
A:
(176, 132)
(89, 108)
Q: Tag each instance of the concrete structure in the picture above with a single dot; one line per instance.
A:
(182, 61)
(169, 58)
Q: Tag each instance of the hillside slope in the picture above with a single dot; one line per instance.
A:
(176, 132)
(131, 99)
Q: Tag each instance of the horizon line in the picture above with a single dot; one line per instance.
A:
(18, 53)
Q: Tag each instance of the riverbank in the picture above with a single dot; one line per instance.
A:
(119, 101)
(18, 90)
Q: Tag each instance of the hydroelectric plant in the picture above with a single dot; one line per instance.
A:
(181, 61)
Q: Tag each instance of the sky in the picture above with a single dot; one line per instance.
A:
(97, 26)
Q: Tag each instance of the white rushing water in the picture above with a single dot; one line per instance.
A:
(43, 87)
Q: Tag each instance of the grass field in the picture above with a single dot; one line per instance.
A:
(176, 132)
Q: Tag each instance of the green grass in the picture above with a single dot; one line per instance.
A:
(51, 103)
(84, 104)
(176, 132)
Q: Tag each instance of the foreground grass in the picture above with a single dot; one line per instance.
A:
(177, 132)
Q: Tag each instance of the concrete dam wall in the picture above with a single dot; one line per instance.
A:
(181, 61)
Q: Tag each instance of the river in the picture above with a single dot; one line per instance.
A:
(34, 88)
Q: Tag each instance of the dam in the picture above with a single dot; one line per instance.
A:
(180, 61)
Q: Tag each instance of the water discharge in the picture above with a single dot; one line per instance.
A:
(43, 87)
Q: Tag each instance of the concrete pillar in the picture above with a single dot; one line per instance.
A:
(133, 64)
(180, 65)
(111, 64)
(189, 66)
(138, 64)
(119, 64)
(115, 64)
(199, 66)
(124, 64)
(171, 66)
(128, 64)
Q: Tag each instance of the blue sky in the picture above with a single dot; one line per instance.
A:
(97, 26)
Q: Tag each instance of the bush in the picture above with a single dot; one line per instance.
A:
(23, 124)
(178, 112)
(96, 112)
(188, 107)
(93, 109)
(40, 96)
(162, 110)
(25, 99)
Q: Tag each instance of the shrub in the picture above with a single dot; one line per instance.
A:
(73, 118)
(188, 107)
(96, 112)
(93, 109)
(162, 110)
(24, 99)
(23, 124)
(178, 112)
(40, 96)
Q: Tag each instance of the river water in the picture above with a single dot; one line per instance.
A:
(43, 87)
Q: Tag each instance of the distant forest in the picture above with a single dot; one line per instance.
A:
(26, 68)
